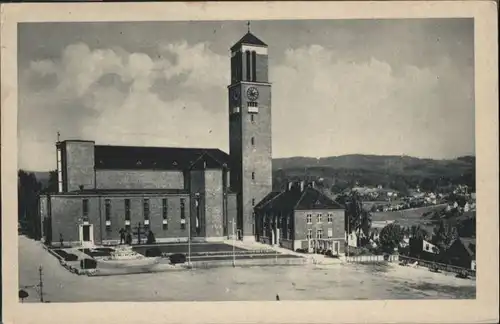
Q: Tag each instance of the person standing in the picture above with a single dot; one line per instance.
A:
(122, 236)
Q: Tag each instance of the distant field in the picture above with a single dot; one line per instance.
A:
(414, 213)
(369, 204)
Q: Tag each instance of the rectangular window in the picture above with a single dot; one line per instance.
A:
(145, 209)
(309, 218)
(247, 59)
(164, 213)
(318, 218)
(253, 175)
(253, 107)
(253, 201)
(252, 141)
(107, 209)
(164, 208)
(252, 118)
(85, 209)
(254, 66)
(319, 234)
(183, 213)
(309, 234)
(330, 218)
(330, 233)
(127, 210)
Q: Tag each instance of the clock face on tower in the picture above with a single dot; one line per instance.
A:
(252, 93)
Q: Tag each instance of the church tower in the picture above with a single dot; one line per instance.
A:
(249, 128)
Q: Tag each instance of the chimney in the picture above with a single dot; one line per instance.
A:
(302, 185)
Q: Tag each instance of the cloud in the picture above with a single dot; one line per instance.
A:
(111, 96)
(323, 103)
(326, 105)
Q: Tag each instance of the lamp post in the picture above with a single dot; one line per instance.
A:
(234, 245)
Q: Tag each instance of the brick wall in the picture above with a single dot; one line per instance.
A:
(256, 157)
(139, 179)
(78, 164)
(214, 203)
(301, 225)
(66, 211)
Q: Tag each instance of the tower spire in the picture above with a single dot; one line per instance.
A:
(248, 26)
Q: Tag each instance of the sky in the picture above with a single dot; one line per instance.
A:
(385, 87)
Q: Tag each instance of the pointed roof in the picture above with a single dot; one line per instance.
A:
(249, 39)
(295, 199)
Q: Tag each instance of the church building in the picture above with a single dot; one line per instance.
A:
(177, 193)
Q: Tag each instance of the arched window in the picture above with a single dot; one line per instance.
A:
(254, 69)
(247, 60)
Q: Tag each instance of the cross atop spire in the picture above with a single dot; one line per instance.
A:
(248, 26)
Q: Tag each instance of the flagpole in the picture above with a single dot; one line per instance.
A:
(189, 240)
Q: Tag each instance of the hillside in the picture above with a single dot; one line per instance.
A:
(398, 172)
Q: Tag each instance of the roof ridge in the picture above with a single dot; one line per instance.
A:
(300, 199)
(267, 202)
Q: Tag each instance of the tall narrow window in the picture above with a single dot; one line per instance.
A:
(247, 60)
(145, 212)
(127, 210)
(239, 63)
(253, 201)
(309, 218)
(85, 209)
(107, 209)
(164, 212)
(252, 141)
(309, 234)
(183, 214)
(254, 69)
(252, 118)
(253, 175)
(145, 209)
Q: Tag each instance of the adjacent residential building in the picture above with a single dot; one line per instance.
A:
(462, 253)
(300, 217)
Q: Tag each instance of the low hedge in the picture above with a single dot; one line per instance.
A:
(153, 252)
(177, 258)
(88, 264)
(66, 256)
